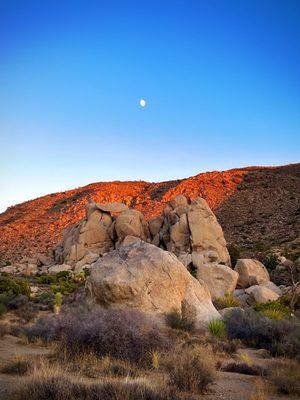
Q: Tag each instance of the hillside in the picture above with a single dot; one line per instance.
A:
(257, 207)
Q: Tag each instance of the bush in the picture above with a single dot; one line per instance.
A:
(63, 388)
(217, 328)
(190, 369)
(64, 282)
(227, 301)
(13, 286)
(175, 321)
(123, 334)
(286, 377)
(279, 337)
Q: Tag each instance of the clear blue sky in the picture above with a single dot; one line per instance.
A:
(221, 79)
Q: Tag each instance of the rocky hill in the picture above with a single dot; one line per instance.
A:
(258, 207)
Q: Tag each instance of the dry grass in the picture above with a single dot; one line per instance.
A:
(55, 384)
(190, 369)
(286, 377)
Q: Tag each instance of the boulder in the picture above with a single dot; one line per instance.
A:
(155, 225)
(206, 232)
(59, 268)
(131, 223)
(90, 235)
(178, 201)
(261, 294)
(251, 272)
(141, 275)
(180, 235)
(88, 259)
(270, 285)
(112, 207)
(219, 278)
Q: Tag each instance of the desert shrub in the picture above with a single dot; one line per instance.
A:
(175, 321)
(122, 334)
(227, 301)
(46, 328)
(271, 261)
(190, 369)
(245, 368)
(63, 388)
(235, 253)
(217, 328)
(27, 312)
(13, 286)
(279, 337)
(286, 377)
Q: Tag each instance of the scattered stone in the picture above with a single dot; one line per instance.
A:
(262, 294)
(59, 268)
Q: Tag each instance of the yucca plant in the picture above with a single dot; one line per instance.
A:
(217, 328)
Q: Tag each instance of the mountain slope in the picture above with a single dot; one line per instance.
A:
(256, 206)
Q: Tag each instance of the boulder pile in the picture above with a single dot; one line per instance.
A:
(188, 229)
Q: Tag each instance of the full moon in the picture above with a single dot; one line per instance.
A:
(142, 103)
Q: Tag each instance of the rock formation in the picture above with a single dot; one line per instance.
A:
(140, 275)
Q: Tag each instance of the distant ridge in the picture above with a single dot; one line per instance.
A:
(256, 206)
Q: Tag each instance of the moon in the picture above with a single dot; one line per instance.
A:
(142, 103)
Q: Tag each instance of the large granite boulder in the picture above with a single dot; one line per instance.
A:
(131, 223)
(219, 278)
(90, 235)
(251, 272)
(140, 275)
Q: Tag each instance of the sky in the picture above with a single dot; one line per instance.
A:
(221, 80)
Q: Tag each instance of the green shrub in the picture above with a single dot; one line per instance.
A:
(227, 301)
(276, 309)
(217, 328)
(64, 282)
(13, 286)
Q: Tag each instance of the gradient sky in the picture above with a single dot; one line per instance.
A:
(221, 79)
